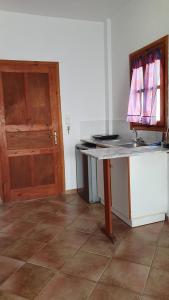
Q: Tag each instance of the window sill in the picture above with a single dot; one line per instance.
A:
(161, 128)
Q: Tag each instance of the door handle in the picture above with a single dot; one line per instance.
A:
(55, 138)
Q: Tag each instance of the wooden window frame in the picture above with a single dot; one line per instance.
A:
(162, 43)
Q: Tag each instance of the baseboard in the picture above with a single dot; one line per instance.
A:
(139, 221)
(148, 220)
(69, 192)
(135, 222)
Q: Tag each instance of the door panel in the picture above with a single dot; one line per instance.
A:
(38, 98)
(20, 171)
(32, 160)
(14, 98)
(42, 175)
(29, 139)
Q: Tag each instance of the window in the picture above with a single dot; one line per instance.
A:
(147, 109)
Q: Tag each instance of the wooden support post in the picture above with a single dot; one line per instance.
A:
(108, 230)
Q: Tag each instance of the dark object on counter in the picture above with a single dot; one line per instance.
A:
(106, 137)
(165, 145)
(155, 144)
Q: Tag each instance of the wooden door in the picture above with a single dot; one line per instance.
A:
(32, 164)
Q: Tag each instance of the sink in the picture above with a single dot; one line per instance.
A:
(132, 145)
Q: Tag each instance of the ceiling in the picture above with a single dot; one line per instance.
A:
(77, 9)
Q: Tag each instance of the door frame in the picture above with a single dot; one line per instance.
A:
(44, 65)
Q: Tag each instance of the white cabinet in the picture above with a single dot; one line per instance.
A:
(148, 188)
(139, 188)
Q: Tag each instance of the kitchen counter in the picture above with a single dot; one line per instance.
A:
(104, 143)
(117, 151)
(134, 181)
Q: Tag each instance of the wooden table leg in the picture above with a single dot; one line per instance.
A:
(108, 230)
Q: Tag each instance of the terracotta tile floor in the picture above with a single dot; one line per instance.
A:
(53, 249)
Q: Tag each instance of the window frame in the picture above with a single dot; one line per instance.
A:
(163, 45)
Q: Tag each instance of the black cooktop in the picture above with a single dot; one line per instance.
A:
(106, 137)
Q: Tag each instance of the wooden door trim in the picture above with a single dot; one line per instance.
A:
(56, 79)
(21, 65)
(52, 68)
(6, 63)
(3, 147)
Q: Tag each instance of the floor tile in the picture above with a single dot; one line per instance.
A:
(126, 275)
(158, 283)
(4, 223)
(99, 244)
(72, 199)
(148, 233)
(6, 241)
(61, 198)
(85, 225)
(8, 296)
(37, 216)
(63, 234)
(17, 212)
(119, 225)
(8, 217)
(67, 209)
(8, 266)
(163, 240)
(45, 232)
(23, 249)
(103, 292)
(3, 208)
(18, 229)
(166, 226)
(76, 200)
(131, 252)
(65, 287)
(28, 281)
(95, 211)
(58, 219)
(86, 265)
(152, 298)
(120, 229)
(53, 256)
(161, 259)
(72, 238)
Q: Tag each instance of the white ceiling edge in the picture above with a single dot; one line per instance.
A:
(91, 10)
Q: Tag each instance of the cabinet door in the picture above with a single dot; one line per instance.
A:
(120, 188)
(148, 182)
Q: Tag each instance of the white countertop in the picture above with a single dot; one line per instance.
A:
(117, 151)
(104, 143)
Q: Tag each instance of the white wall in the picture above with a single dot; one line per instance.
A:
(137, 24)
(79, 48)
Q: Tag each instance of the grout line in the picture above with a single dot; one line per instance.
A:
(75, 276)
(92, 291)
(120, 287)
(12, 273)
(150, 269)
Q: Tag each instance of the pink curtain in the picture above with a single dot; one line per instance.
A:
(135, 98)
(142, 107)
(151, 82)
